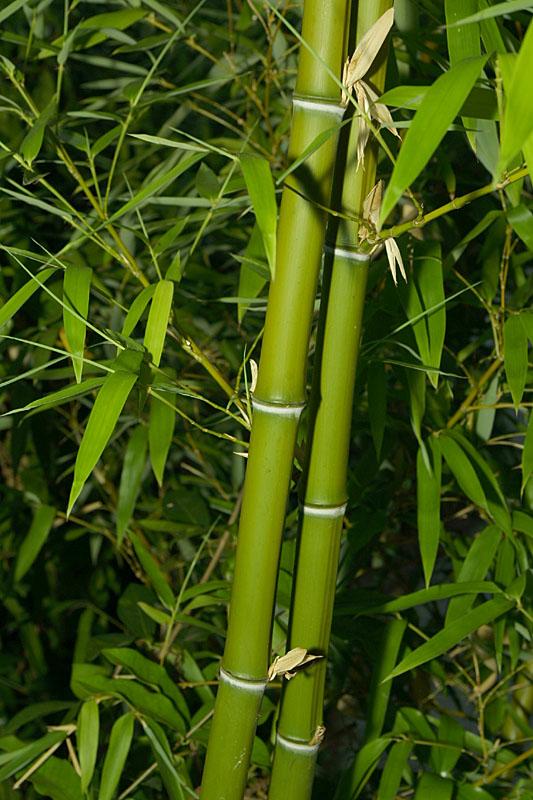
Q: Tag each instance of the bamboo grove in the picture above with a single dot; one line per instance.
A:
(265, 438)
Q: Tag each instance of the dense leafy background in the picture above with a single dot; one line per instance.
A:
(120, 139)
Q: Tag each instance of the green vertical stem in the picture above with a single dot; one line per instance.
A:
(278, 401)
(345, 275)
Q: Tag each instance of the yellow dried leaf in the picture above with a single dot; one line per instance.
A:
(367, 49)
(395, 259)
(287, 664)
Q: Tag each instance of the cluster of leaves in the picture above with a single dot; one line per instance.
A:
(133, 279)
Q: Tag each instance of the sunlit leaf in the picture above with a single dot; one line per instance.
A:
(116, 755)
(515, 356)
(258, 177)
(87, 736)
(158, 318)
(76, 289)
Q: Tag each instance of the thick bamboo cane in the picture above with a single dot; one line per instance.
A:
(346, 266)
(278, 401)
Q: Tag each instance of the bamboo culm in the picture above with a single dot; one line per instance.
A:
(300, 728)
(278, 401)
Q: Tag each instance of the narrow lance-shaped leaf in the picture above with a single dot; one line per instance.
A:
(497, 10)
(440, 106)
(11, 306)
(463, 471)
(258, 177)
(87, 738)
(163, 755)
(393, 770)
(428, 507)
(434, 786)
(136, 310)
(474, 568)
(515, 356)
(161, 425)
(76, 290)
(429, 277)
(117, 753)
(130, 479)
(156, 327)
(102, 420)
(377, 403)
(33, 141)
(34, 540)
(453, 633)
(518, 119)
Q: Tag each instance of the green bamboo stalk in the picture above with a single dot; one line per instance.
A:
(346, 267)
(278, 401)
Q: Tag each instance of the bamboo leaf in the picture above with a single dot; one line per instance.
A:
(435, 787)
(440, 106)
(14, 760)
(463, 40)
(521, 220)
(156, 326)
(102, 420)
(163, 755)
(463, 471)
(416, 381)
(446, 754)
(453, 633)
(518, 119)
(117, 753)
(76, 290)
(34, 540)
(497, 10)
(429, 277)
(527, 453)
(33, 141)
(131, 478)
(474, 568)
(87, 737)
(260, 186)
(151, 568)
(251, 282)
(61, 396)
(393, 770)
(11, 306)
(160, 432)
(515, 356)
(428, 507)
(57, 780)
(366, 762)
(480, 103)
(137, 308)
(11, 9)
(148, 672)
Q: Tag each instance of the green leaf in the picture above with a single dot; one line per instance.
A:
(33, 141)
(515, 356)
(160, 432)
(434, 787)
(377, 403)
(258, 177)
(163, 755)
(61, 396)
(87, 737)
(22, 295)
(115, 758)
(34, 540)
(480, 103)
(137, 308)
(14, 760)
(497, 10)
(364, 765)
(517, 124)
(156, 326)
(428, 507)
(251, 282)
(521, 220)
(416, 381)
(474, 568)
(393, 770)
(102, 420)
(452, 634)
(207, 183)
(463, 41)
(76, 290)
(151, 568)
(463, 471)
(441, 591)
(11, 9)
(131, 478)
(440, 106)
(148, 672)
(447, 753)
(56, 779)
(527, 453)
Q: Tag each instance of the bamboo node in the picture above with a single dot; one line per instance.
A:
(343, 252)
(324, 511)
(288, 410)
(254, 687)
(297, 747)
(318, 104)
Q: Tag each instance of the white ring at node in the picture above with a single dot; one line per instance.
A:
(324, 511)
(314, 105)
(297, 747)
(351, 255)
(248, 686)
(275, 408)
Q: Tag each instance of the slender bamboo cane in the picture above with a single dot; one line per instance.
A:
(278, 401)
(346, 266)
